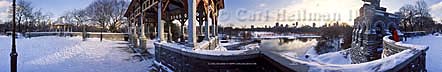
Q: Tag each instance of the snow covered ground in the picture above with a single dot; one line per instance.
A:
(70, 54)
(434, 53)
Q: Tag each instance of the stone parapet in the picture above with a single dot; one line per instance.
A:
(186, 61)
(416, 63)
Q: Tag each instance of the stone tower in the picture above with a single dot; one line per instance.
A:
(374, 2)
(369, 27)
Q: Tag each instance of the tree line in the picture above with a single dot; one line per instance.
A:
(100, 15)
(416, 17)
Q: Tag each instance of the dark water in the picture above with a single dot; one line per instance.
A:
(288, 47)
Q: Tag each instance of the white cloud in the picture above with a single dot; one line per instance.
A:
(294, 11)
(262, 5)
(4, 3)
(436, 11)
(345, 8)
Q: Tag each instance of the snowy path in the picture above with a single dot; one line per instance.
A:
(434, 53)
(70, 54)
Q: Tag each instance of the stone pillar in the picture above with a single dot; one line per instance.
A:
(216, 26)
(160, 25)
(129, 31)
(216, 31)
(142, 34)
(135, 34)
(206, 28)
(191, 23)
(147, 29)
(182, 21)
(169, 28)
(213, 27)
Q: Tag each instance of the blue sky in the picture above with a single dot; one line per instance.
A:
(346, 9)
(53, 7)
(59, 7)
(243, 13)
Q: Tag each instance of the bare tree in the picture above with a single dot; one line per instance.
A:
(22, 12)
(407, 12)
(28, 18)
(422, 8)
(108, 13)
(424, 18)
(80, 16)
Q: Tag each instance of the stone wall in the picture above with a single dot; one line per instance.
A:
(414, 64)
(183, 61)
(110, 36)
(37, 34)
(257, 61)
(107, 36)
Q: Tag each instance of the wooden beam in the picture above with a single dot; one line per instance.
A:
(165, 6)
(150, 6)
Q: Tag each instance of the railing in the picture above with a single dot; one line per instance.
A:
(416, 63)
(180, 58)
(108, 36)
(397, 57)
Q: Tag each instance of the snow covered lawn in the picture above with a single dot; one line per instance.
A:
(434, 53)
(70, 54)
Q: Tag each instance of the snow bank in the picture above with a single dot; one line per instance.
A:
(433, 62)
(340, 57)
(105, 33)
(2, 36)
(341, 62)
(217, 52)
(229, 43)
(372, 66)
(150, 46)
(163, 67)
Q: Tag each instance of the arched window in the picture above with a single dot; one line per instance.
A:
(363, 29)
(378, 30)
(356, 33)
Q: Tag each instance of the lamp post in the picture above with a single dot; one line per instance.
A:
(13, 53)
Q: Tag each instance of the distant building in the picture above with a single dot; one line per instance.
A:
(286, 25)
(276, 25)
(61, 26)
